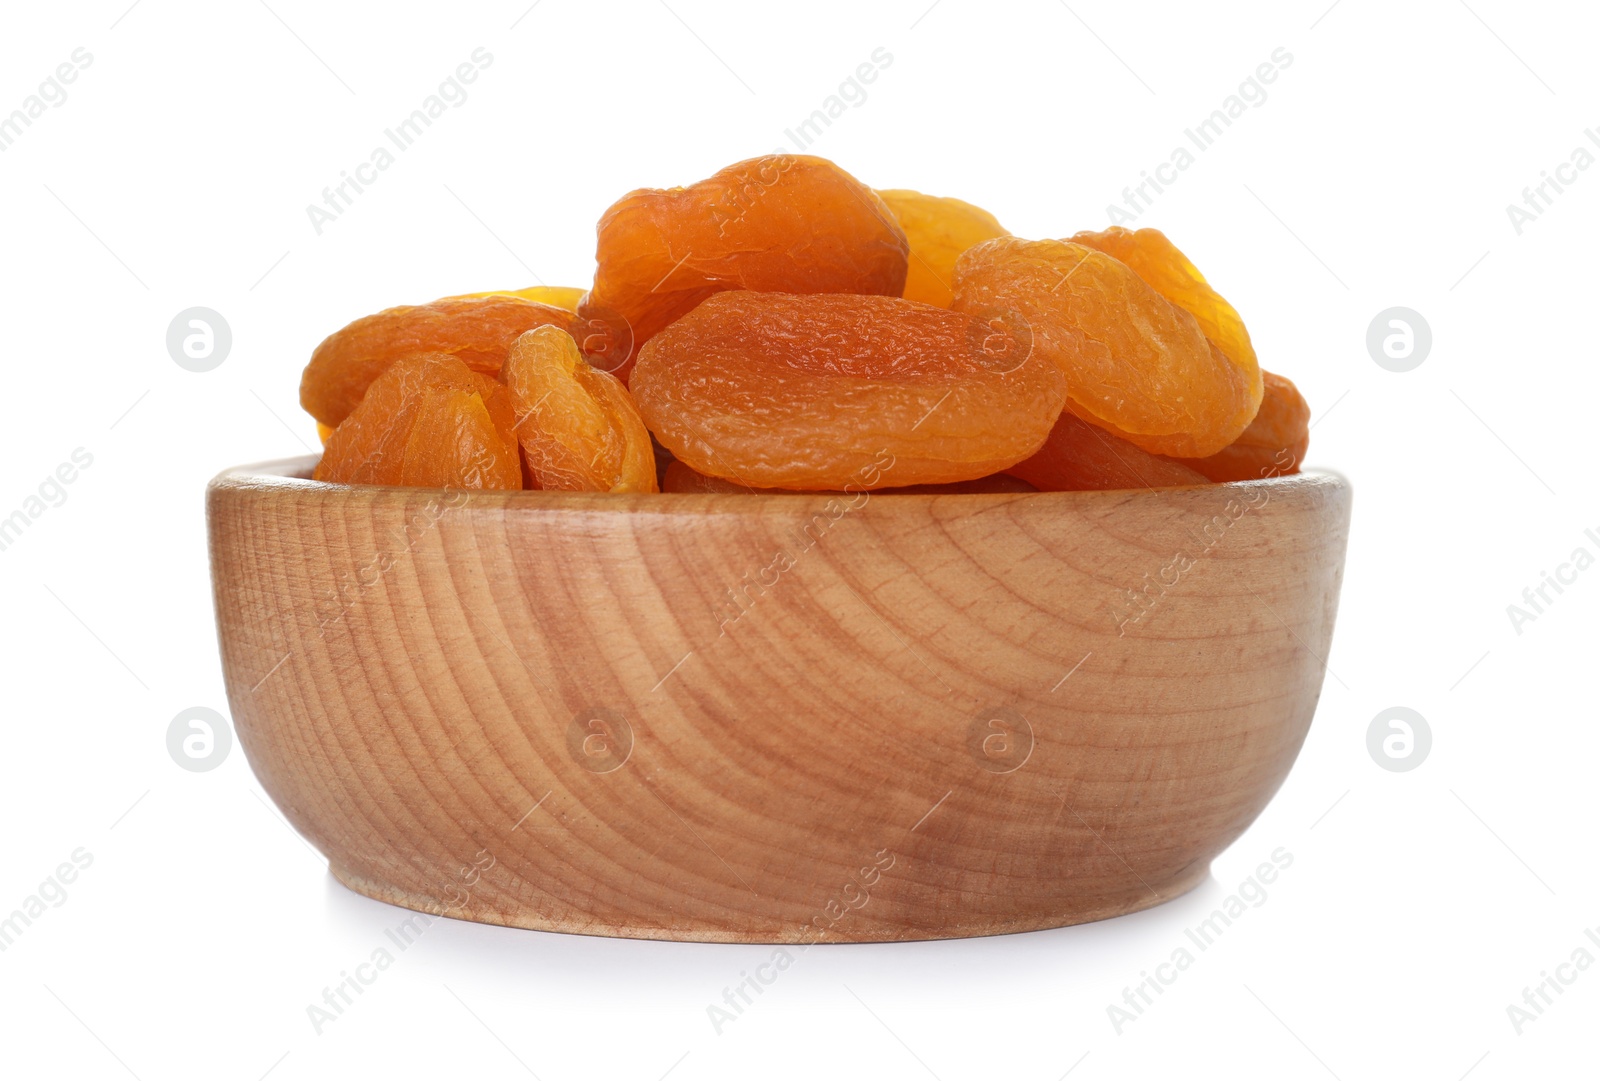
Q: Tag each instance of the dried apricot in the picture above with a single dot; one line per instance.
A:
(1273, 445)
(1149, 254)
(680, 478)
(780, 223)
(578, 427)
(479, 330)
(564, 297)
(938, 230)
(455, 443)
(1134, 362)
(993, 484)
(428, 421)
(1079, 456)
(779, 390)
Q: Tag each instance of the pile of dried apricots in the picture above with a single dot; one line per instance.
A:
(782, 326)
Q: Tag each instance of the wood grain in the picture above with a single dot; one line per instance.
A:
(773, 718)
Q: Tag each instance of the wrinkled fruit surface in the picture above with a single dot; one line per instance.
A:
(777, 390)
(1273, 445)
(578, 427)
(780, 223)
(680, 478)
(938, 230)
(1157, 260)
(1134, 362)
(427, 422)
(478, 330)
(1080, 456)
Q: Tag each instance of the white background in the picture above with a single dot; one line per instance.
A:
(1376, 173)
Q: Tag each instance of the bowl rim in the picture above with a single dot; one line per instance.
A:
(292, 475)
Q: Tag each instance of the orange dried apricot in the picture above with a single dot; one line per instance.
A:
(1149, 254)
(1079, 456)
(680, 478)
(455, 443)
(1134, 362)
(938, 230)
(479, 330)
(578, 427)
(780, 223)
(1273, 445)
(427, 421)
(780, 390)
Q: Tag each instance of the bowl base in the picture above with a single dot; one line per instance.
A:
(770, 934)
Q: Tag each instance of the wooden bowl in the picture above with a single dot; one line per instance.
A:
(777, 718)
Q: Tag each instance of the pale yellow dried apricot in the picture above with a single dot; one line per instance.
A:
(564, 297)
(938, 230)
(1149, 254)
(1134, 362)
